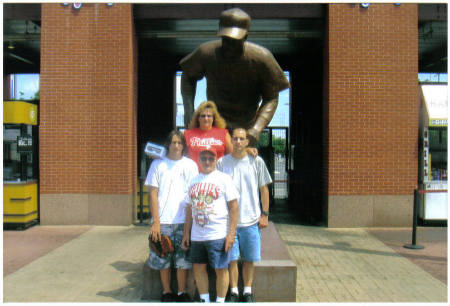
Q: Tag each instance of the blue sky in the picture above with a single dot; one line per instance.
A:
(432, 77)
(26, 85)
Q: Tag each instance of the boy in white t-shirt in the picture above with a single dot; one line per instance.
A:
(211, 218)
(169, 179)
(251, 177)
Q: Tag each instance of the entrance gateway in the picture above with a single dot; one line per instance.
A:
(294, 34)
(345, 137)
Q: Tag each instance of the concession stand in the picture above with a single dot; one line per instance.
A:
(20, 158)
(433, 185)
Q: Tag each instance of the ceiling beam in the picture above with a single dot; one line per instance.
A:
(212, 11)
(26, 11)
(21, 37)
(432, 12)
(19, 58)
(435, 61)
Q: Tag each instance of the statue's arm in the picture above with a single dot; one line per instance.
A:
(263, 118)
(188, 89)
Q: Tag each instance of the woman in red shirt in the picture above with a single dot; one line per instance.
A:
(207, 128)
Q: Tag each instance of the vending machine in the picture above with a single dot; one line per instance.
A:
(20, 168)
(433, 145)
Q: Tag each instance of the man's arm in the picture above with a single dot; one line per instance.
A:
(186, 241)
(155, 230)
(228, 144)
(233, 214)
(263, 118)
(188, 90)
(264, 220)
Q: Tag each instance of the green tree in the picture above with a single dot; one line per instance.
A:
(37, 95)
(278, 143)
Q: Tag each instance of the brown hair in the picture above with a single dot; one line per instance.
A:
(169, 141)
(218, 122)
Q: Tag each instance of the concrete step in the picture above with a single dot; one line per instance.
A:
(275, 278)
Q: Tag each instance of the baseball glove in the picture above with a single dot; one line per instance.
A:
(162, 247)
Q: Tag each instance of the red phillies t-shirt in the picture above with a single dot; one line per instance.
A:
(197, 140)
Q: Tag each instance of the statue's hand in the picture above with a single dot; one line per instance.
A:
(253, 137)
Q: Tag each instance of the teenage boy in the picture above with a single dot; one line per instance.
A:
(211, 218)
(250, 176)
(169, 179)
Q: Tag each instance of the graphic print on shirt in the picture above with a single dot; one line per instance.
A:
(202, 196)
(203, 142)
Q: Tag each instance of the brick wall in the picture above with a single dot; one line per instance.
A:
(371, 83)
(88, 100)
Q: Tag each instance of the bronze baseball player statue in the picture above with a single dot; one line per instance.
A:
(239, 76)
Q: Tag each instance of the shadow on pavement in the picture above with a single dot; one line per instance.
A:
(133, 291)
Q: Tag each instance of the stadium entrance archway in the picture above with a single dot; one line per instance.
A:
(293, 33)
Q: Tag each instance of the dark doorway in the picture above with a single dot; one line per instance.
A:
(293, 33)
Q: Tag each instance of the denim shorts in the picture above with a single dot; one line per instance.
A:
(247, 244)
(179, 257)
(212, 252)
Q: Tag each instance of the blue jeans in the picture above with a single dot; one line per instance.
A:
(247, 244)
(210, 251)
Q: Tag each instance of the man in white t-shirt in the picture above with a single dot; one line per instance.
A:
(169, 179)
(211, 218)
(251, 177)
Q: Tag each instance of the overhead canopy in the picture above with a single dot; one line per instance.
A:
(436, 102)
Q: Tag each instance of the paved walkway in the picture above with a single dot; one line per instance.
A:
(104, 264)
(350, 265)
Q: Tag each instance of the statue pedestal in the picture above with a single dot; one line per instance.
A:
(275, 278)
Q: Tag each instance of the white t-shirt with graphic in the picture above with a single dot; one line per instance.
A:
(208, 196)
(172, 178)
(248, 174)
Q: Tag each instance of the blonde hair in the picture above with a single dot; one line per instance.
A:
(218, 122)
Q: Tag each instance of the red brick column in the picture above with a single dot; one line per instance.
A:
(88, 167)
(372, 114)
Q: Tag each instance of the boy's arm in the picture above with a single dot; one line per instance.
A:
(233, 214)
(155, 230)
(186, 241)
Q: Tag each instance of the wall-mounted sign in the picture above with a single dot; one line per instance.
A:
(15, 112)
(436, 103)
(437, 122)
(25, 144)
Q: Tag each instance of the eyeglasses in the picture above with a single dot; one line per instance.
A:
(206, 116)
(204, 159)
(238, 138)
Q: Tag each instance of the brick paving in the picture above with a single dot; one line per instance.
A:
(104, 264)
(350, 265)
(22, 247)
(432, 258)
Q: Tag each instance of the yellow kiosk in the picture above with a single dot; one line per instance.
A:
(20, 170)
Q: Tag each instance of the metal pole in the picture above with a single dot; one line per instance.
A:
(141, 201)
(413, 245)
